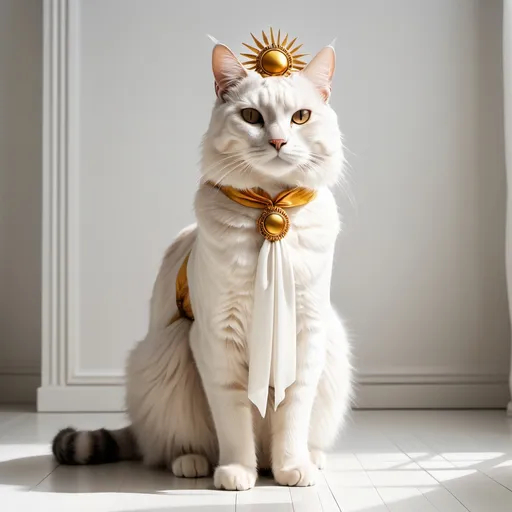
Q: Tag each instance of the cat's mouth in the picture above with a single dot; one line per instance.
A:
(275, 162)
(285, 161)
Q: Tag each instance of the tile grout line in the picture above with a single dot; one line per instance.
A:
(496, 481)
(443, 486)
(291, 498)
(454, 497)
(368, 476)
(435, 451)
(39, 483)
(332, 494)
(377, 491)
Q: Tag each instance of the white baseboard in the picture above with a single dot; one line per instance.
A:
(452, 395)
(433, 396)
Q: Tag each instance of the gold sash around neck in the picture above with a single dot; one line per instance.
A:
(273, 224)
(259, 198)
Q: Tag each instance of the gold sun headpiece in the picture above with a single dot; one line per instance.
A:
(274, 57)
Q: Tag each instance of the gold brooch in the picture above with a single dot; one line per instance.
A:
(273, 223)
(274, 57)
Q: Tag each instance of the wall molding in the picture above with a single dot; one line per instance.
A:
(429, 377)
(388, 377)
(413, 375)
(60, 252)
(54, 268)
(90, 398)
(507, 103)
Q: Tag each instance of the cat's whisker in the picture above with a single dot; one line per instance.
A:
(222, 161)
(230, 171)
(234, 155)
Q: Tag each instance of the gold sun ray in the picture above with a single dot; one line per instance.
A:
(274, 57)
(251, 48)
(256, 42)
(291, 43)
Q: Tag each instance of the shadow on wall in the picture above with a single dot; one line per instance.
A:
(20, 198)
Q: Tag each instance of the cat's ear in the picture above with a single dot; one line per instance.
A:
(321, 70)
(227, 69)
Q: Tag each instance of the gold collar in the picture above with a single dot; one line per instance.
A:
(274, 222)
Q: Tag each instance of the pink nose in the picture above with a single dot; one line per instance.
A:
(277, 143)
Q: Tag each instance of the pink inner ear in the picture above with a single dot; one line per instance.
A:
(321, 70)
(227, 69)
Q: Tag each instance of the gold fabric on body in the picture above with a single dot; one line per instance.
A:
(273, 224)
(258, 198)
(182, 294)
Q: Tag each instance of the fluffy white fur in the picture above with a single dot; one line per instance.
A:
(187, 382)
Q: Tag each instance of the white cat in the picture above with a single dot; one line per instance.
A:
(187, 382)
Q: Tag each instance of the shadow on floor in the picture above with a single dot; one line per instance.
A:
(42, 473)
(261, 507)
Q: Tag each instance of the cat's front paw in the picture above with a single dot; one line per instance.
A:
(296, 475)
(234, 477)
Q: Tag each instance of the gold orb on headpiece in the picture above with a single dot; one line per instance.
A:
(274, 57)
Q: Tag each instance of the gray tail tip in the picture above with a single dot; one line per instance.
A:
(64, 452)
(102, 447)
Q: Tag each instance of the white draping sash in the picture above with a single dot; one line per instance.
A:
(272, 338)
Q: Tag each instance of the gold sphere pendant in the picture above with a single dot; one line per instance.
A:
(274, 223)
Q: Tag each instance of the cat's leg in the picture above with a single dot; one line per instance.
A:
(263, 435)
(333, 396)
(291, 462)
(171, 420)
(224, 376)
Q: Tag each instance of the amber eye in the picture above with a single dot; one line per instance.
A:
(301, 116)
(252, 116)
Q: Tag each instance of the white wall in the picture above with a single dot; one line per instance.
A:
(420, 273)
(420, 268)
(20, 198)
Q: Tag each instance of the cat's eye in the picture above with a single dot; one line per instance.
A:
(301, 116)
(252, 116)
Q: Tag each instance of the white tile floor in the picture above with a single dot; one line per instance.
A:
(396, 461)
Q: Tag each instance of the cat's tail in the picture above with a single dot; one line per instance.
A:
(71, 446)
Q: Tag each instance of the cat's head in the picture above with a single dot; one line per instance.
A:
(274, 131)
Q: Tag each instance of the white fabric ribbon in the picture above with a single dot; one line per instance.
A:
(272, 338)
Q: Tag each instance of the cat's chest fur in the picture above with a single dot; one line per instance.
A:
(226, 256)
